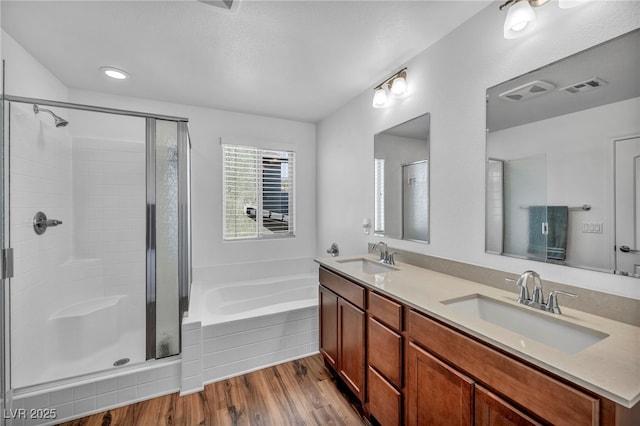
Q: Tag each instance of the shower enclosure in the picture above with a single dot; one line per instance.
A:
(96, 238)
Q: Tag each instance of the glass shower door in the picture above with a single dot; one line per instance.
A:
(525, 207)
(415, 201)
(78, 291)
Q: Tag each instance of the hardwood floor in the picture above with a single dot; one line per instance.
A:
(300, 392)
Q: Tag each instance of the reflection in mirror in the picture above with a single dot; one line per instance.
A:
(401, 156)
(563, 161)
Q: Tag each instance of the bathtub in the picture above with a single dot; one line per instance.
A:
(241, 327)
(250, 299)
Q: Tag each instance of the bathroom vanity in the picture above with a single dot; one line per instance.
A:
(411, 359)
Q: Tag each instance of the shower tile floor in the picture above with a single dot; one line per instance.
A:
(297, 392)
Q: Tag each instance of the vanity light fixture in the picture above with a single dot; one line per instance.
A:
(396, 86)
(380, 97)
(114, 73)
(521, 18)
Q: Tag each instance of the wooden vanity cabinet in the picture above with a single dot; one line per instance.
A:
(420, 371)
(441, 395)
(384, 359)
(342, 329)
(478, 367)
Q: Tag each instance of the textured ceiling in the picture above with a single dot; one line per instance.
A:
(299, 60)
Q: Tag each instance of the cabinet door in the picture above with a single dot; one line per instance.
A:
(329, 327)
(436, 393)
(351, 322)
(490, 410)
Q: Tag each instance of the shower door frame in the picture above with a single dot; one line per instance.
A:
(184, 196)
(5, 263)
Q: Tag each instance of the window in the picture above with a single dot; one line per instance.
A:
(259, 193)
(378, 219)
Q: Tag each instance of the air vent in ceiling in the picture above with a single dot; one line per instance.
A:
(527, 91)
(592, 83)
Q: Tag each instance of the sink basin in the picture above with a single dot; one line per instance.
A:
(368, 266)
(562, 335)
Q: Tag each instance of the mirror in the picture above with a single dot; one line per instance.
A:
(401, 157)
(563, 161)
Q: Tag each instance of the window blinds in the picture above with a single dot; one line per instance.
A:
(258, 192)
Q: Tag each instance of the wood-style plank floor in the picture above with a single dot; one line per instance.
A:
(300, 392)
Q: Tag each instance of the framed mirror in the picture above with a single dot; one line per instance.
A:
(563, 161)
(401, 161)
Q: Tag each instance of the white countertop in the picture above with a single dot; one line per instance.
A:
(610, 367)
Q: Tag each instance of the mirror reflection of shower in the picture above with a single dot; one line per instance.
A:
(60, 122)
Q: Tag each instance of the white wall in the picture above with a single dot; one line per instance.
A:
(206, 127)
(449, 80)
(25, 76)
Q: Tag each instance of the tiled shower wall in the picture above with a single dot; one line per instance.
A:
(40, 156)
(109, 215)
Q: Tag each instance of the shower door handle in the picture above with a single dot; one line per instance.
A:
(41, 223)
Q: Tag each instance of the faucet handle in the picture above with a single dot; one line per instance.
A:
(390, 260)
(524, 292)
(552, 303)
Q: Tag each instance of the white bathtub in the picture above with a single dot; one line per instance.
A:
(230, 302)
(249, 325)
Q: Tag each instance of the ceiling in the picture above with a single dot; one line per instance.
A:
(616, 62)
(417, 128)
(298, 60)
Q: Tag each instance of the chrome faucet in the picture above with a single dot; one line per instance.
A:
(385, 256)
(523, 297)
(383, 253)
(537, 296)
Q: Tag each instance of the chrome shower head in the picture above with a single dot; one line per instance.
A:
(59, 121)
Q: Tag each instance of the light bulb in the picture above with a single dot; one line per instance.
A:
(399, 86)
(380, 98)
(519, 18)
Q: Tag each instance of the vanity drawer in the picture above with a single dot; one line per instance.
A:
(385, 351)
(385, 310)
(343, 288)
(385, 401)
(549, 398)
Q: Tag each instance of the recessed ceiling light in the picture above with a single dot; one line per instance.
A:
(114, 73)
